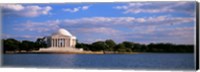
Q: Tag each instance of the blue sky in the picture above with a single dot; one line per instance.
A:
(143, 22)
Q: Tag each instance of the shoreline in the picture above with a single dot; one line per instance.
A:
(85, 52)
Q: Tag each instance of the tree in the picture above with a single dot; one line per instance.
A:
(121, 48)
(128, 44)
(137, 47)
(111, 44)
(98, 46)
(84, 46)
(40, 43)
(143, 48)
(79, 45)
(27, 45)
(151, 46)
(11, 45)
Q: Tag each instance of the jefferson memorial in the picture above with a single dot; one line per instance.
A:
(61, 41)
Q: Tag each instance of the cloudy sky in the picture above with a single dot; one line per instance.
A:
(143, 22)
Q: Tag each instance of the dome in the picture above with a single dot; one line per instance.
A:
(73, 37)
(63, 32)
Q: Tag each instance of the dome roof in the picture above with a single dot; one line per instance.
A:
(63, 32)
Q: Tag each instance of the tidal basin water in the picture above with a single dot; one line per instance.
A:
(166, 61)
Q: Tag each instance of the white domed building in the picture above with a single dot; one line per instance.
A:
(61, 41)
(61, 38)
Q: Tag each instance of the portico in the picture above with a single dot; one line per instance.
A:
(58, 42)
(61, 41)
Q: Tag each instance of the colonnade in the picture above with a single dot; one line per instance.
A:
(59, 42)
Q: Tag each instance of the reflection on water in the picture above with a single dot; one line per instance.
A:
(110, 61)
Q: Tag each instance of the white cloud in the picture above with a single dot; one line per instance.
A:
(26, 11)
(13, 7)
(144, 29)
(72, 10)
(131, 5)
(85, 7)
(148, 10)
(119, 28)
(76, 9)
(182, 32)
(38, 26)
(101, 30)
(178, 35)
(130, 21)
(104, 23)
(157, 7)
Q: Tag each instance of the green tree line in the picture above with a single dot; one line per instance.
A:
(11, 44)
(126, 46)
(107, 45)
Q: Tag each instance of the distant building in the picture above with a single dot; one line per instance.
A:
(61, 41)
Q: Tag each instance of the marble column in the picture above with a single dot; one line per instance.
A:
(67, 42)
(60, 42)
(73, 42)
(64, 42)
(55, 42)
(70, 42)
(51, 42)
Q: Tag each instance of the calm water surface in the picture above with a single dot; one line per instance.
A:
(108, 61)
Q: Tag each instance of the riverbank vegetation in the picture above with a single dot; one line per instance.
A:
(12, 45)
(108, 46)
(126, 46)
